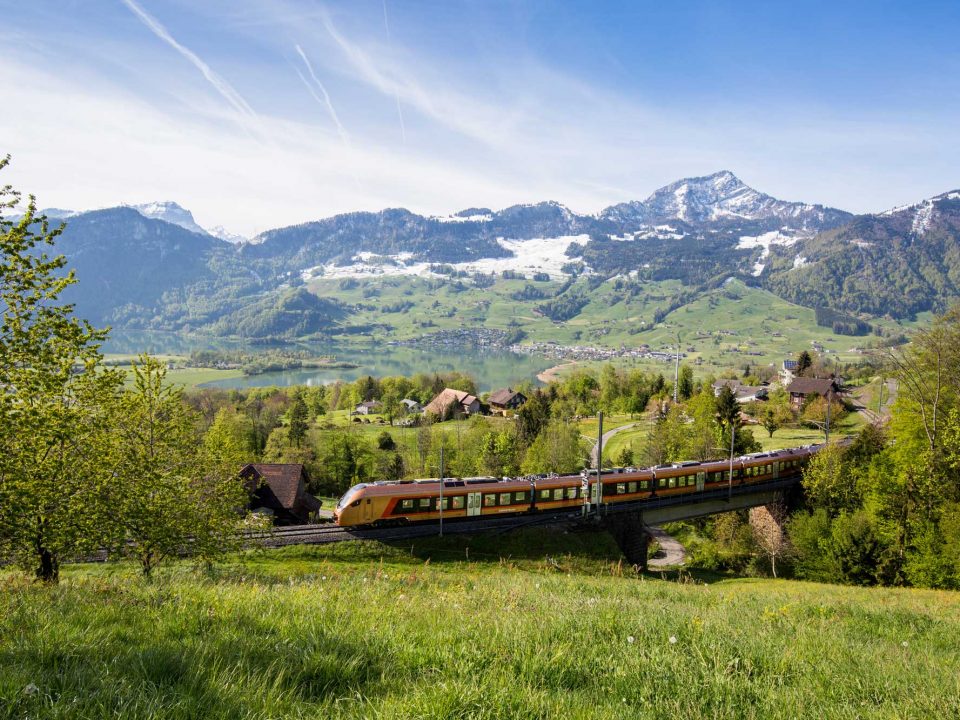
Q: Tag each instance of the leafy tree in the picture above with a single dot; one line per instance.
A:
(625, 457)
(533, 417)
(52, 403)
(229, 440)
(728, 411)
(685, 388)
(297, 430)
(167, 497)
(385, 441)
(559, 448)
(770, 420)
(804, 362)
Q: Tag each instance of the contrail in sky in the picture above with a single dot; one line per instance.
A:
(222, 86)
(396, 93)
(326, 96)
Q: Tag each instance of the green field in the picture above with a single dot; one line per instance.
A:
(483, 628)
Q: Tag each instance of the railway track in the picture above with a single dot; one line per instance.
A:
(319, 534)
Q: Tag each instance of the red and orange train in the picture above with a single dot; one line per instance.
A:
(407, 501)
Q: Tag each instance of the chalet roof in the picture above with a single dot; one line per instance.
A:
(504, 396)
(448, 397)
(283, 479)
(811, 386)
(732, 384)
(370, 404)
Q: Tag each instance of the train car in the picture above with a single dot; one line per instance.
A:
(405, 501)
(385, 503)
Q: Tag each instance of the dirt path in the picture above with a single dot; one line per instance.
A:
(551, 374)
(670, 554)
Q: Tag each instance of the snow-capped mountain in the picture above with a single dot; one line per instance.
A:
(721, 196)
(219, 231)
(170, 212)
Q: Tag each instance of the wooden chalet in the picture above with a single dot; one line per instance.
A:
(802, 388)
(508, 399)
(451, 403)
(280, 490)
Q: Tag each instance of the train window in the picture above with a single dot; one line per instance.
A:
(489, 500)
(572, 492)
(443, 504)
(519, 497)
(406, 504)
(691, 479)
(662, 483)
(644, 484)
(631, 487)
(457, 502)
(424, 503)
(504, 498)
(558, 494)
(621, 488)
(544, 494)
(672, 482)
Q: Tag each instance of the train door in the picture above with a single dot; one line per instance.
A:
(366, 510)
(474, 503)
(701, 480)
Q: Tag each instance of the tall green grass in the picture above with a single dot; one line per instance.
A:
(555, 631)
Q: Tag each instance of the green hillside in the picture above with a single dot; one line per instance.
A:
(469, 629)
(726, 326)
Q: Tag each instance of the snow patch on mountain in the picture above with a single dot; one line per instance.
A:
(170, 212)
(922, 217)
(222, 233)
(543, 255)
(765, 240)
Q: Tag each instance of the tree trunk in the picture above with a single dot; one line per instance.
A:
(49, 569)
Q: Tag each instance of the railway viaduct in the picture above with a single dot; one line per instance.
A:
(628, 523)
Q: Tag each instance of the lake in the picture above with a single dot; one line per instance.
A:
(492, 369)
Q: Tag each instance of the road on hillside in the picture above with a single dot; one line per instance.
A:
(606, 438)
(671, 552)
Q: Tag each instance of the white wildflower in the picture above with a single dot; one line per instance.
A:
(673, 639)
(630, 639)
(31, 689)
(905, 643)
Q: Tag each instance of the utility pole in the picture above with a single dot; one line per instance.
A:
(733, 434)
(883, 382)
(826, 426)
(598, 495)
(676, 374)
(441, 490)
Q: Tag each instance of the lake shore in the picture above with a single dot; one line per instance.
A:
(553, 373)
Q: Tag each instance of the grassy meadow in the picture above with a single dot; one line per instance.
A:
(468, 628)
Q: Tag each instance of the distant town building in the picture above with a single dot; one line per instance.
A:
(370, 407)
(505, 400)
(450, 403)
(743, 393)
(280, 491)
(412, 406)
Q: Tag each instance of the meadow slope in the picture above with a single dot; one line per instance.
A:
(483, 628)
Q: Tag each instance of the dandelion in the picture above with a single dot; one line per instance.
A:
(31, 689)
(905, 643)
(673, 639)
(630, 639)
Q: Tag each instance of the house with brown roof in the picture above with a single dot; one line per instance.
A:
(451, 403)
(280, 490)
(505, 400)
(802, 388)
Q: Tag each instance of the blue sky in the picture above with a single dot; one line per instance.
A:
(261, 113)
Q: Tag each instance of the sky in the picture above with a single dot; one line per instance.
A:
(257, 114)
